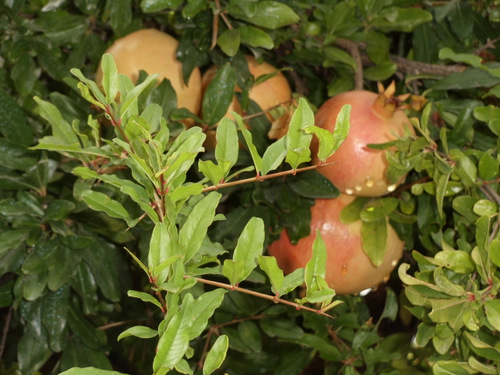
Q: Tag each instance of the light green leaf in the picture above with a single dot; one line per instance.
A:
(273, 156)
(257, 160)
(62, 131)
(216, 355)
(89, 371)
(173, 344)
(195, 227)
(270, 266)
(249, 246)
(297, 142)
(138, 331)
(145, 297)
(492, 309)
(109, 77)
(227, 146)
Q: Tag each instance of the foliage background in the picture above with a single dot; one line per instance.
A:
(64, 274)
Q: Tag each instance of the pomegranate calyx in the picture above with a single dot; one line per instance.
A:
(386, 103)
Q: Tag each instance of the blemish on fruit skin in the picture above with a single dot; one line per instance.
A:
(394, 263)
(369, 181)
(358, 188)
(391, 188)
(349, 191)
(344, 269)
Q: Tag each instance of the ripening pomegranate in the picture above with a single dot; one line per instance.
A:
(348, 268)
(154, 51)
(375, 118)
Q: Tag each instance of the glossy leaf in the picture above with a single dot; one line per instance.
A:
(268, 14)
(270, 266)
(219, 95)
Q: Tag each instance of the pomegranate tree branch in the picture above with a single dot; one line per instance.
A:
(265, 177)
(268, 297)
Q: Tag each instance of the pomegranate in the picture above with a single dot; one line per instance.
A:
(154, 51)
(375, 118)
(348, 268)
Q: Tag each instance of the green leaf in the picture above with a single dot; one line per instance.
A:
(62, 131)
(219, 95)
(374, 240)
(216, 355)
(377, 209)
(267, 14)
(227, 146)
(89, 371)
(109, 77)
(257, 160)
(457, 260)
(488, 166)
(281, 328)
(249, 246)
(297, 143)
(145, 297)
(229, 41)
(55, 307)
(401, 19)
(269, 265)
(15, 126)
(273, 156)
(195, 227)
(449, 368)
(202, 309)
(467, 58)
(255, 37)
(151, 6)
(11, 239)
(31, 357)
(173, 344)
(312, 184)
(492, 309)
(101, 202)
(336, 55)
(138, 331)
(330, 142)
(495, 251)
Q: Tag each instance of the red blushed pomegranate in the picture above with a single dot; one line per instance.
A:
(348, 268)
(375, 118)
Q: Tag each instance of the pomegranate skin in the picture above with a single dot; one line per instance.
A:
(348, 268)
(358, 169)
(154, 51)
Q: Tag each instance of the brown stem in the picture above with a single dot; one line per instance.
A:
(268, 297)
(404, 65)
(262, 178)
(358, 74)
(6, 330)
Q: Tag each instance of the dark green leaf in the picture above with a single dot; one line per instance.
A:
(229, 41)
(374, 240)
(219, 95)
(267, 14)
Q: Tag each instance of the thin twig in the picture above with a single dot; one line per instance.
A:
(265, 177)
(268, 297)
(6, 330)
(358, 73)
